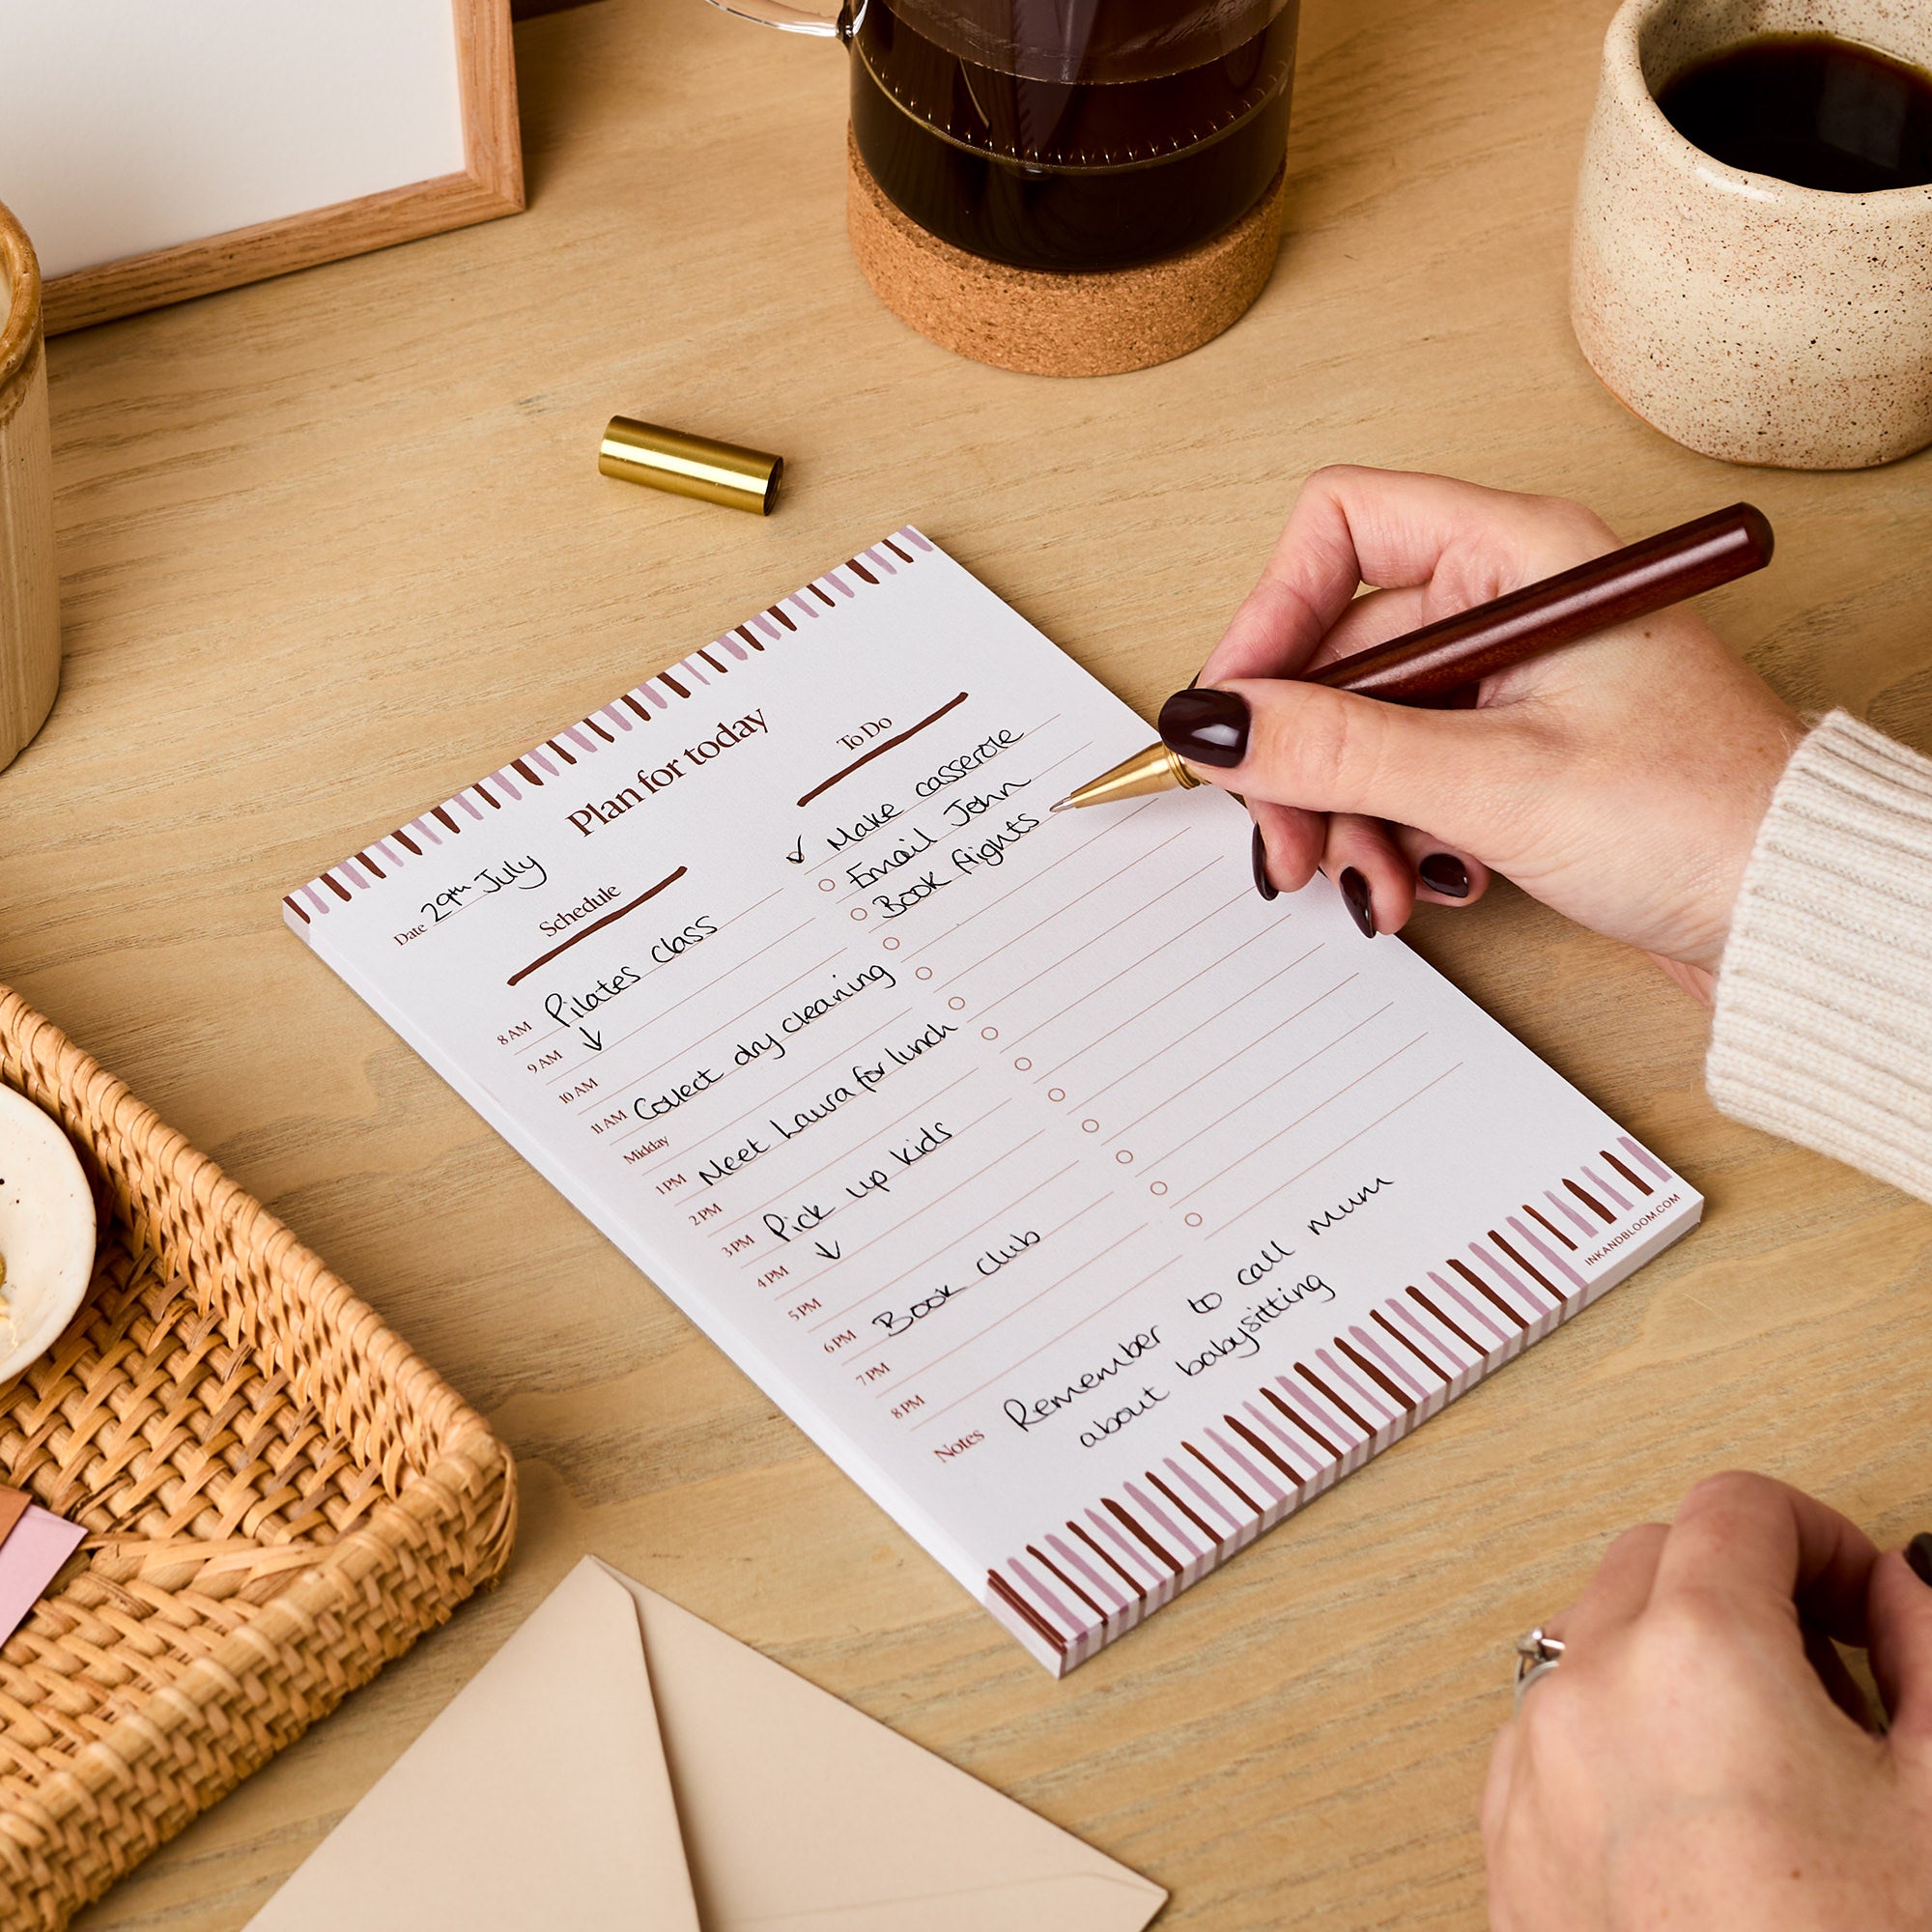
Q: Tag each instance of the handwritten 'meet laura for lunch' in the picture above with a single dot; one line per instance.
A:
(1090, 1213)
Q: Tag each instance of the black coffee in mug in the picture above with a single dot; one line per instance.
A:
(1809, 108)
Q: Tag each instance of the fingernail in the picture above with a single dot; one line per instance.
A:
(1919, 1554)
(1361, 902)
(1445, 874)
(1208, 727)
(1264, 885)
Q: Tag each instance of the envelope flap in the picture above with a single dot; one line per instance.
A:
(801, 1811)
(538, 1797)
(1074, 1902)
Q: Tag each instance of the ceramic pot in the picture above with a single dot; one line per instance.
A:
(1746, 317)
(30, 638)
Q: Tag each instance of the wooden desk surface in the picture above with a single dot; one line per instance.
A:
(335, 544)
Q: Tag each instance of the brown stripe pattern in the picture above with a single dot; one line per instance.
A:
(1074, 1588)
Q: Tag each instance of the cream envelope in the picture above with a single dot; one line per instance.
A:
(538, 1799)
(618, 1757)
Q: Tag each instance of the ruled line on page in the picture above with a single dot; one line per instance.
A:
(583, 933)
(880, 749)
(1132, 966)
(1059, 912)
(1181, 1038)
(1032, 879)
(657, 1019)
(1340, 1145)
(818, 865)
(965, 1233)
(712, 1032)
(806, 1181)
(1348, 1087)
(1241, 1052)
(872, 1292)
(1091, 1314)
(912, 1374)
(756, 1107)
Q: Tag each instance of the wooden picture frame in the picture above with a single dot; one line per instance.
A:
(489, 184)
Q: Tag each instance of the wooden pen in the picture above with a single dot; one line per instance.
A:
(1633, 581)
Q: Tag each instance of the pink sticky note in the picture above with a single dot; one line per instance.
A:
(30, 1558)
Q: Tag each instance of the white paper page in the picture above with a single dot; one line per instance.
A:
(1089, 1211)
(127, 127)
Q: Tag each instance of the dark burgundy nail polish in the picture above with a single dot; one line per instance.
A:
(1919, 1554)
(1264, 885)
(1361, 902)
(1445, 874)
(1208, 727)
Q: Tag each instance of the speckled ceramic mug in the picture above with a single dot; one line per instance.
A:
(1746, 317)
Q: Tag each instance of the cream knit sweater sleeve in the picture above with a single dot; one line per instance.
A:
(1822, 1030)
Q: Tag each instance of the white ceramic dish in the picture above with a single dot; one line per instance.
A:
(46, 1232)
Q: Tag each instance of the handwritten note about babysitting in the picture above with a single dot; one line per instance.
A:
(1089, 1212)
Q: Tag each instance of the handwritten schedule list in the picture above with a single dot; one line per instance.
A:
(1090, 1212)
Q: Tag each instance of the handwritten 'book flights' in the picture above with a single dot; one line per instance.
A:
(1088, 1211)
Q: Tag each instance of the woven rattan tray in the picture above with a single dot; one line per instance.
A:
(280, 1497)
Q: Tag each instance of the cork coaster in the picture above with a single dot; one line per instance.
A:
(1041, 322)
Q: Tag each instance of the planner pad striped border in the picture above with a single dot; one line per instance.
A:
(1080, 1583)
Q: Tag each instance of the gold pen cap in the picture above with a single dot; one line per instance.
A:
(690, 466)
(1156, 769)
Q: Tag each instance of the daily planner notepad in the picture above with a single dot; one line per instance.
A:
(1088, 1211)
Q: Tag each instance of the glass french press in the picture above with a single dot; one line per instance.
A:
(1066, 137)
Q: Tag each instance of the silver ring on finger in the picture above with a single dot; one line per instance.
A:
(1536, 1657)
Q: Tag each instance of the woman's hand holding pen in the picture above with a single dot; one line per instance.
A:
(1620, 780)
(1700, 1756)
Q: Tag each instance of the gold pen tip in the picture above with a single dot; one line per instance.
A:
(1155, 769)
